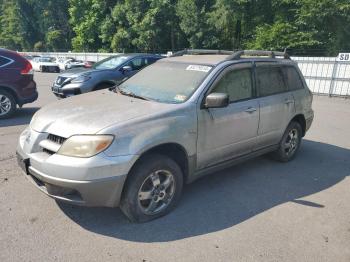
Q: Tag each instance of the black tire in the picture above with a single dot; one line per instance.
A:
(132, 206)
(284, 153)
(11, 102)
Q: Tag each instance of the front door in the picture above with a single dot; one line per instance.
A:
(225, 133)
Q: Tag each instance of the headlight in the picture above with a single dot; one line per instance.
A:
(85, 145)
(81, 79)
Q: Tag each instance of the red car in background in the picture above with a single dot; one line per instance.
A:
(17, 86)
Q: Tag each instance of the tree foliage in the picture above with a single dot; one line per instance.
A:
(161, 25)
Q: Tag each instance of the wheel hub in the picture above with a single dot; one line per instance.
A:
(5, 105)
(156, 192)
(291, 141)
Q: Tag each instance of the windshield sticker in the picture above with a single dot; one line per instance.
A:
(180, 98)
(198, 68)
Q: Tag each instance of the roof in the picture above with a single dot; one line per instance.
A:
(137, 54)
(198, 59)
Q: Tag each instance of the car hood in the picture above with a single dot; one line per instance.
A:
(92, 112)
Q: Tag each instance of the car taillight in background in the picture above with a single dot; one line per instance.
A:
(88, 64)
(28, 69)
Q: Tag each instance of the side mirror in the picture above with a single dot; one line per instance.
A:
(216, 100)
(126, 69)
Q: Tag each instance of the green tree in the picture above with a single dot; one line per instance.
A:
(12, 35)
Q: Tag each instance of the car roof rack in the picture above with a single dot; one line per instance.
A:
(256, 53)
(202, 52)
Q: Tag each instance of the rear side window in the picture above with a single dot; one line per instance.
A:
(293, 78)
(4, 61)
(270, 81)
(237, 84)
(150, 60)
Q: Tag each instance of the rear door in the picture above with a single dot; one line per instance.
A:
(276, 103)
(226, 133)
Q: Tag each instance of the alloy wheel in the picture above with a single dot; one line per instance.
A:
(5, 105)
(291, 143)
(156, 192)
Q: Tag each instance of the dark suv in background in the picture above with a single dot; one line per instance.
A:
(103, 74)
(17, 86)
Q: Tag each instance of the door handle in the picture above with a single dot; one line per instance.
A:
(288, 101)
(250, 110)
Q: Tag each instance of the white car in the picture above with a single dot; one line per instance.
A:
(45, 64)
(69, 63)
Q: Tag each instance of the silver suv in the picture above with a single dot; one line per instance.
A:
(135, 146)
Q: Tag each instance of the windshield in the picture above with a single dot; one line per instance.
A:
(166, 82)
(110, 62)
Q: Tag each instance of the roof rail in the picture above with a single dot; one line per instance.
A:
(202, 52)
(271, 54)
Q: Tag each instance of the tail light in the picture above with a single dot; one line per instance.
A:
(28, 69)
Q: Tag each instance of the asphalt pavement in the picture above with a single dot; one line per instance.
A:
(260, 210)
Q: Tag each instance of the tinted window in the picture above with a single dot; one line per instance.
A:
(270, 81)
(237, 84)
(293, 78)
(150, 60)
(136, 64)
(4, 61)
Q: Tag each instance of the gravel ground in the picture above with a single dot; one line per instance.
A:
(260, 210)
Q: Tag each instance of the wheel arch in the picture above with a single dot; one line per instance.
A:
(300, 118)
(11, 91)
(109, 83)
(174, 151)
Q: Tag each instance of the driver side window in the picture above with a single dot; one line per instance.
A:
(136, 64)
(236, 83)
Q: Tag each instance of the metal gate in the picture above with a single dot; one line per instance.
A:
(326, 75)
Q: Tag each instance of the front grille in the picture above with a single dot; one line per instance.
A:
(47, 151)
(56, 139)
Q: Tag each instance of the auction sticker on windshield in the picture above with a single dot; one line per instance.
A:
(198, 68)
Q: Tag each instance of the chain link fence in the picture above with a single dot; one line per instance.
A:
(324, 75)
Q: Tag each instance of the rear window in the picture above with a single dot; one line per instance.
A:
(293, 78)
(4, 61)
(270, 80)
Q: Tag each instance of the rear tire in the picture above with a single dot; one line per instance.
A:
(7, 104)
(153, 188)
(290, 143)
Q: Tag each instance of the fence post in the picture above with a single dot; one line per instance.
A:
(334, 74)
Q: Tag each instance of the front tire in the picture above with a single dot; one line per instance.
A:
(290, 143)
(7, 104)
(153, 188)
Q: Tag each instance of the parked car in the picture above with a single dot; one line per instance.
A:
(171, 123)
(17, 86)
(65, 63)
(89, 64)
(101, 75)
(45, 64)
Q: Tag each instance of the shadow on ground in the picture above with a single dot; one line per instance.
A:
(229, 197)
(21, 117)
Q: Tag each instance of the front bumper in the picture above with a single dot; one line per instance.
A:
(61, 92)
(95, 181)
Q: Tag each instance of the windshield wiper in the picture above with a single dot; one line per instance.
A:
(117, 89)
